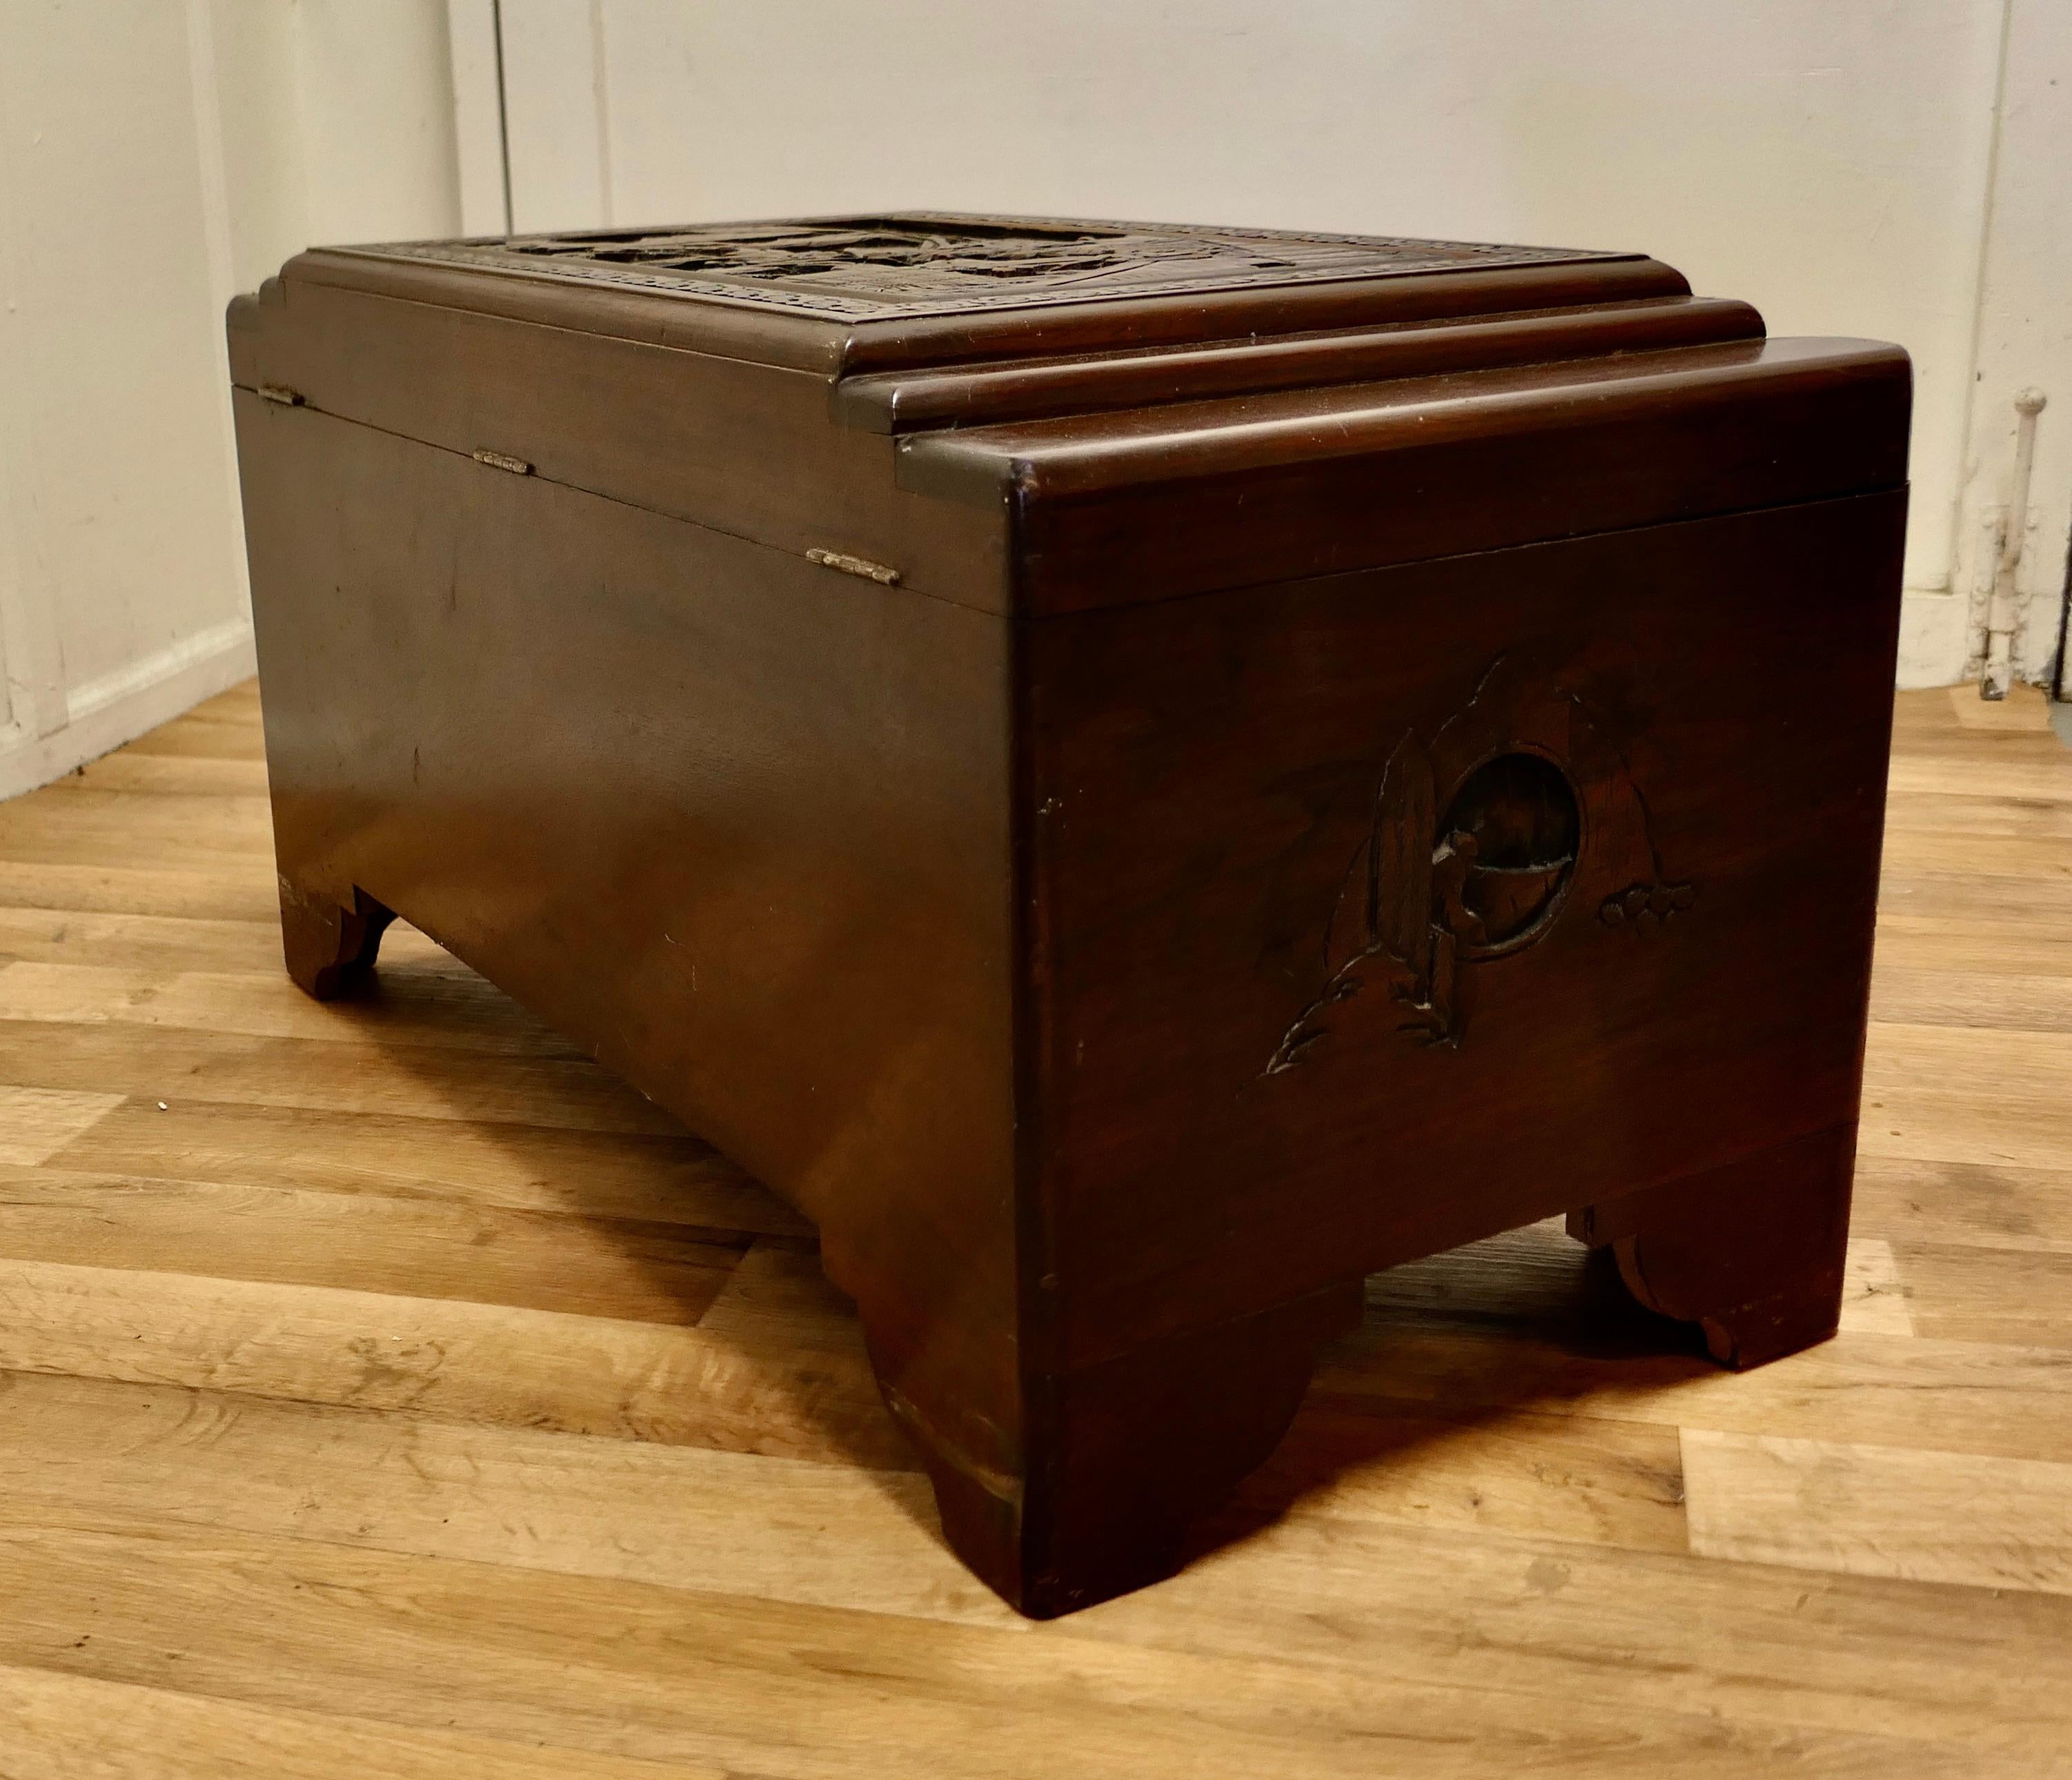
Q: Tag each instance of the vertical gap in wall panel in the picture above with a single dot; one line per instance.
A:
(601, 93)
(556, 116)
(479, 132)
(503, 113)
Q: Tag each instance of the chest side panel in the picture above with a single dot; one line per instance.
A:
(1383, 911)
(734, 824)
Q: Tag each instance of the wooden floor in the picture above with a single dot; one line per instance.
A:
(384, 1392)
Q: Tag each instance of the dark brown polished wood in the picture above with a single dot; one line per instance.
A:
(1138, 774)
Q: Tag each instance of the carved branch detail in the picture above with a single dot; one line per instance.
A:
(1536, 795)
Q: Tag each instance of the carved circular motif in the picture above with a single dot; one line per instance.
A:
(1504, 853)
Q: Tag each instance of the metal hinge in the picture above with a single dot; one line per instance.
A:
(855, 565)
(280, 393)
(496, 460)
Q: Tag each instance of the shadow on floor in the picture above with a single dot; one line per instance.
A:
(1520, 1323)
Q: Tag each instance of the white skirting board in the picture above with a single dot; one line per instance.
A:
(1937, 643)
(102, 714)
(1934, 637)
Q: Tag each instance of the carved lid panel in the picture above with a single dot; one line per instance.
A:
(923, 263)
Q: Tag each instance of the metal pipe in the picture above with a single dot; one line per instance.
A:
(2003, 600)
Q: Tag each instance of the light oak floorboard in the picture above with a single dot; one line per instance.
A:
(673, 1179)
(202, 733)
(1974, 999)
(36, 1122)
(90, 827)
(2014, 1296)
(137, 941)
(1875, 1299)
(2020, 712)
(1949, 945)
(495, 1365)
(236, 892)
(234, 1070)
(418, 1247)
(446, 1009)
(1878, 1389)
(1982, 1204)
(55, 1726)
(735, 1522)
(1880, 1511)
(779, 1687)
(174, 774)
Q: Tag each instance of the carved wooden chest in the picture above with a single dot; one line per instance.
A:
(1138, 774)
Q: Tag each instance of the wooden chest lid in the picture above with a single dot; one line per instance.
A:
(845, 293)
(1038, 417)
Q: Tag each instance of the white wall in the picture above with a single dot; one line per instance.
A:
(156, 156)
(113, 436)
(1888, 167)
(1831, 163)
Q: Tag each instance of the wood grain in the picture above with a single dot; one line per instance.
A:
(408, 1398)
(1880, 1511)
(672, 1179)
(316, 1074)
(628, 1268)
(431, 1356)
(773, 1687)
(36, 1121)
(69, 1724)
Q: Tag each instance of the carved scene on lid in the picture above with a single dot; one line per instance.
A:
(923, 263)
